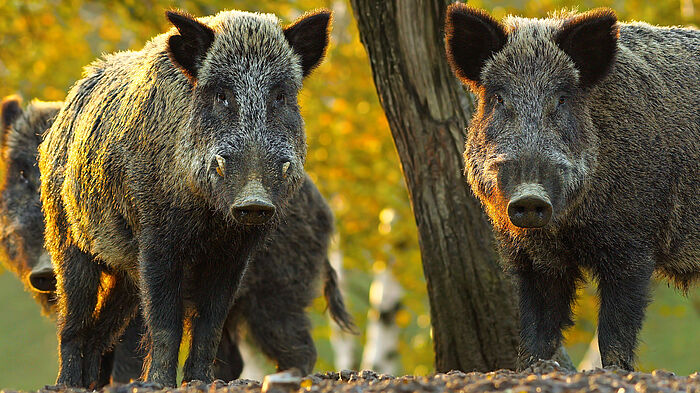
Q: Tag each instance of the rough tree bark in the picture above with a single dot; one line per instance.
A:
(473, 306)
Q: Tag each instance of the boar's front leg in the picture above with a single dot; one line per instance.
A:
(215, 287)
(623, 287)
(546, 297)
(161, 275)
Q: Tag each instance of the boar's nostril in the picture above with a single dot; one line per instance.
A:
(529, 211)
(253, 212)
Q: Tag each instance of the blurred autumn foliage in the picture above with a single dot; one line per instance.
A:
(351, 157)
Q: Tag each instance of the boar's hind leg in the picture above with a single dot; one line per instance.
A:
(281, 328)
(78, 283)
(228, 364)
(213, 302)
(128, 352)
(106, 365)
(118, 307)
(623, 288)
(545, 309)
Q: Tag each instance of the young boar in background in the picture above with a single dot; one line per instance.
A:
(287, 267)
(585, 152)
(165, 169)
(21, 220)
(279, 284)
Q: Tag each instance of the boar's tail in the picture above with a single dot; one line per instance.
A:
(335, 302)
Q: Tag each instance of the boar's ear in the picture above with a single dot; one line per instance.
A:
(10, 110)
(590, 39)
(308, 36)
(471, 37)
(188, 48)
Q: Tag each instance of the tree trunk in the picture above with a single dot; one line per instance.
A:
(473, 306)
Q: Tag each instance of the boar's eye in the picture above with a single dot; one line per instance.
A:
(221, 98)
(280, 99)
(23, 177)
(562, 100)
(499, 99)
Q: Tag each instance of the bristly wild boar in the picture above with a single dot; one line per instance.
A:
(276, 287)
(585, 152)
(21, 220)
(166, 168)
(280, 284)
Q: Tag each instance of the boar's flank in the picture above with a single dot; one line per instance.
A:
(585, 153)
(165, 169)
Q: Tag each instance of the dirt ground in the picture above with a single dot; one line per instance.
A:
(543, 377)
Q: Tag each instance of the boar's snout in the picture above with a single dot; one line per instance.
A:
(253, 207)
(530, 207)
(43, 278)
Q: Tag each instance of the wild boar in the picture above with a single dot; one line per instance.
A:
(165, 170)
(21, 220)
(585, 153)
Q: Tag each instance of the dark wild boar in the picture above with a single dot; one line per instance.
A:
(21, 220)
(289, 264)
(280, 283)
(166, 169)
(585, 152)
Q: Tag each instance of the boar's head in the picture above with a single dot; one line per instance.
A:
(246, 72)
(531, 145)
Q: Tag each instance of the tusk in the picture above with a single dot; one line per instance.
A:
(285, 167)
(221, 169)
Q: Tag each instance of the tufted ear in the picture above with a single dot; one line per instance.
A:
(471, 37)
(10, 110)
(187, 49)
(308, 36)
(590, 39)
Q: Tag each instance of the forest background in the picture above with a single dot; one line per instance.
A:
(352, 159)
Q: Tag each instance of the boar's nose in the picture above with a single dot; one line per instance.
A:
(529, 211)
(253, 206)
(253, 212)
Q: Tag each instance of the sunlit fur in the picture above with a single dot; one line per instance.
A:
(128, 186)
(619, 158)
